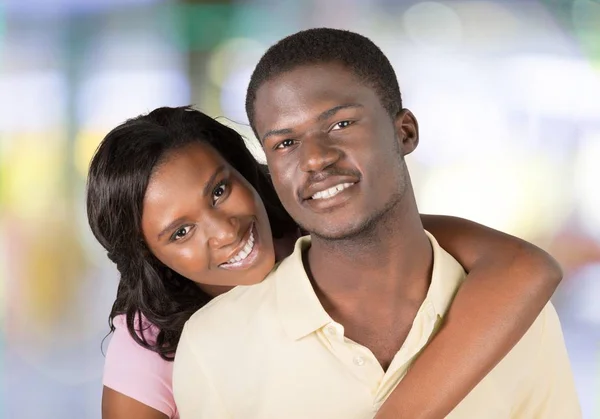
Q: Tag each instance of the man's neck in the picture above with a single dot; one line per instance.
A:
(374, 287)
(393, 260)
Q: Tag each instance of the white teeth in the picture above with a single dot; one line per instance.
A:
(333, 191)
(243, 254)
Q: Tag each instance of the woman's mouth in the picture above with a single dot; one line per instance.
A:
(247, 255)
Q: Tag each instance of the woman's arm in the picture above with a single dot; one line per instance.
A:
(118, 406)
(137, 381)
(508, 284)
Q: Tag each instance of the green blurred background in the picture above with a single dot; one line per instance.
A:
(507, 94)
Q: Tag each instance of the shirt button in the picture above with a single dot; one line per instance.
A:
(359, 360)
(330, 330)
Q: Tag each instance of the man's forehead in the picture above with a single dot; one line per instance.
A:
(317, 75)
(290, 95)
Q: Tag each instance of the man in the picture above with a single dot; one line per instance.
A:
(336, 325)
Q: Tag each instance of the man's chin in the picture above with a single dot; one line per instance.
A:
(338, 232)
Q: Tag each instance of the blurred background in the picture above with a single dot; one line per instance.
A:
(507, 94)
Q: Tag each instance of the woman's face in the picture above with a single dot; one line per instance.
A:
(202, 219)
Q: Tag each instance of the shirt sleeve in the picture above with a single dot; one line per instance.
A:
(138, 373)
(552, 393)
(195, 395)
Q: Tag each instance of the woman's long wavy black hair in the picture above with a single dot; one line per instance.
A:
(118, 177)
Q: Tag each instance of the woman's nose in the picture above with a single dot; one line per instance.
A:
(223, 231)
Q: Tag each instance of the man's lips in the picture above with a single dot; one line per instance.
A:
(328, 187)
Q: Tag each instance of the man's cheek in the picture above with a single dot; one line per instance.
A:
(282, 179)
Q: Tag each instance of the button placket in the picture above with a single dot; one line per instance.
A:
(416, 339)
(358, 360)
(331, 330)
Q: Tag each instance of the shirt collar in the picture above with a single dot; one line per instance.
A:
(301, 312)
(447, 276)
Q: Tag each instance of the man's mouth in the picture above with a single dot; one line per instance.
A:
(332, 191)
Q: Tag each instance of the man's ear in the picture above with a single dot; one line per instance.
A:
(407, 131)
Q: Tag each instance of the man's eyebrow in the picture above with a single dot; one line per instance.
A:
(323, 116)
(330, 112)
(274, 132)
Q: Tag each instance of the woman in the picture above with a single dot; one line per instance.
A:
(158, 188)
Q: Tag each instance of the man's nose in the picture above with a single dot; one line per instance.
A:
(317, 154)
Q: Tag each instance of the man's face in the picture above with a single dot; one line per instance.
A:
(335, 155)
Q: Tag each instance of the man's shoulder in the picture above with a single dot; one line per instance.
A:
(546, 323)
(547, 332)
(546, 388)
(235, 310)
(525, 357)
(531, 344)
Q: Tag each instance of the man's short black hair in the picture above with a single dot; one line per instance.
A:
(323, 45)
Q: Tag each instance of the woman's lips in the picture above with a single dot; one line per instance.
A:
(247, 255)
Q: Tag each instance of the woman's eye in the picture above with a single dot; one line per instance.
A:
(181, 233)
(285, 144)
(219, 191)
(342, 125)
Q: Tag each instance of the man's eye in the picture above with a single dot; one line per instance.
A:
(285, 144)
(342, 125)
(181, 233)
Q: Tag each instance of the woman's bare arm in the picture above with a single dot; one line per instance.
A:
(508, 284)
(118, 406)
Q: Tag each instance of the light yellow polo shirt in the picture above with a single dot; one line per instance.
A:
(270, 351)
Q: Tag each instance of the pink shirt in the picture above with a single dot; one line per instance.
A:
(137, 372)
